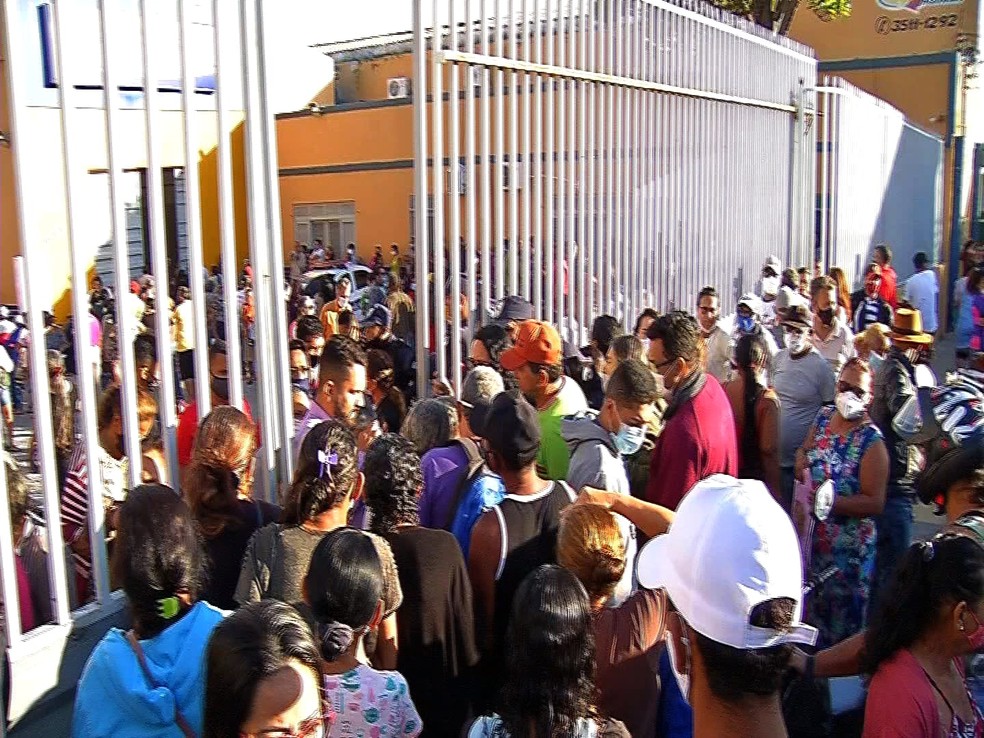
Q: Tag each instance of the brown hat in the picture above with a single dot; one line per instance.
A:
(907, 327)
(797, 316)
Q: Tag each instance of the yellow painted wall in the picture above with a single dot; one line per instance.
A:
(922, 93)
(874, 30)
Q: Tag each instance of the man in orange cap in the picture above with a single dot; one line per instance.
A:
(536, 360)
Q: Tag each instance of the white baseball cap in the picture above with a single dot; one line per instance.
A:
(774, 264)
(752, 302)
(731, 548)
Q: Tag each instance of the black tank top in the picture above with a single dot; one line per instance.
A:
(528, 530)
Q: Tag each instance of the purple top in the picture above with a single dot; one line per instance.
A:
(443, 468)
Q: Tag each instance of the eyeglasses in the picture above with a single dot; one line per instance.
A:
(316, 726)
(661, 364)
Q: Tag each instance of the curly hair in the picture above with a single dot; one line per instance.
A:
(393, 481)
(550, 657)
(318, 487)
(431, 423)
(221, 468)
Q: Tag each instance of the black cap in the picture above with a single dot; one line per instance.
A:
(512, 427)
(514, 309)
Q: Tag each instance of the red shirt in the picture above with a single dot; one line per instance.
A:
(698, 441)
(188, 427)
(887, 291)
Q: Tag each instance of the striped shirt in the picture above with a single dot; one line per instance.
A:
(75, 495)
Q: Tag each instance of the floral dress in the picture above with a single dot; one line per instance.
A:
(839, 609)
(371, 704)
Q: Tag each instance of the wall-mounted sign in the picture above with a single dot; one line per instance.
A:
(914, 6)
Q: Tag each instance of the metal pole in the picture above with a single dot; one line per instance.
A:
(485, 216)
(550, 234)
(437, 170)
(512, 28)
(500, 159)
(525, 252)
(454, 199)
(479, 310)
(420, 192)
(538, 167)
(125, 319)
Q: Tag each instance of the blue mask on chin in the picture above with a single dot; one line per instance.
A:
(746, 323)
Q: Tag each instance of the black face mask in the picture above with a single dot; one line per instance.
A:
(826, 316)
(220, 386)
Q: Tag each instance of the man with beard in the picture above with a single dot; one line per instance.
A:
(341, 389)
(376, 335)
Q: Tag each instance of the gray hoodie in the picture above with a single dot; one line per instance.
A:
(594, 460)
(596, 463)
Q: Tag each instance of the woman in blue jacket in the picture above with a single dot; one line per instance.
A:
(148, 682)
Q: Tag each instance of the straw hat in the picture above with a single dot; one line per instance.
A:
(907, 327)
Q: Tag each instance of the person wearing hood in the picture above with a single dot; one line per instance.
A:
(599, 441)
(149, 682)
(749, 321)
(767, 286)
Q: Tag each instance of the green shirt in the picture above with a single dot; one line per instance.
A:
(554, 456)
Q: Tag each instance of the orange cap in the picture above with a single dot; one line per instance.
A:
(536, 343)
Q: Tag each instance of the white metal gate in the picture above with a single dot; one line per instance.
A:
(130, 86)
(879, 180)
(615, 155)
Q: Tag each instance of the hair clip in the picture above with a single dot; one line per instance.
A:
(928, 551)
(168, 607)
(327, 459)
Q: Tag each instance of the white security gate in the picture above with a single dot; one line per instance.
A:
(879, 179)
(113, 87)
(615, 155)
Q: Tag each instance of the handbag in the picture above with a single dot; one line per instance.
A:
(810, 507)
(179, 719)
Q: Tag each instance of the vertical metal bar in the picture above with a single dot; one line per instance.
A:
(608, 270)
(550, 233)
(454, 199)
(158, 249)
(512, 26)
(638, 208)
(158, 246)
(420, 192)
(227, 221)
(823, 109)
(584, 262)
(591, 39)
(279, 359)
(525, 253)
(8, 571)
(569, 275)
(34, 274)
(620, 153)
(561, 239)
(500, 162)
(259, 245)
(479, 310)
(437, 125)
(125, 319)
(193, 212)
(538, 164)
(485, 216)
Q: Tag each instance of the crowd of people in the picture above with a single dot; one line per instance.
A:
(653, 535)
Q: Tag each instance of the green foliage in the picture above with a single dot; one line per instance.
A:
(778, 14)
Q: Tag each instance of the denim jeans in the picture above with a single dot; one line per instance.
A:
(894, 527)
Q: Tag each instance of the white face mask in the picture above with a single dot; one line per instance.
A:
(682, 678)
(797, 343)
(770, 285)
(850, 406)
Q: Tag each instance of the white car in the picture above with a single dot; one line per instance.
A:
(320, 282)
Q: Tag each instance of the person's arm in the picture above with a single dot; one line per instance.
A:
(873, 476)
(800, 464)
(483, 562)
(253, 576)
(828, 384)
(651, 519)
(387, 644)
(841, 660)
(767, 425)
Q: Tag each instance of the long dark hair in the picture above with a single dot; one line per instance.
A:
(157, 555)
(379, 368)
(319, 486)
(550, 658)
(253, 643)
(344, 585)
(393, 481)
(945, 570)
(751, 352)
(221, 467)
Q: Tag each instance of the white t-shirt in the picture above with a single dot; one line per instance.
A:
(922, 291)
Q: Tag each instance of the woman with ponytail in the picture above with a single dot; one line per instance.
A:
(218, 486)
(391, 407)
(755, 407)
(344, 590)
(930, 618)
(591, 546)
(149, 681)
(326, 484)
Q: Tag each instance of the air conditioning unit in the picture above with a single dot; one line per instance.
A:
(397, 87)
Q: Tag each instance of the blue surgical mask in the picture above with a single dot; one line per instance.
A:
(629, 439)
(746, 323)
